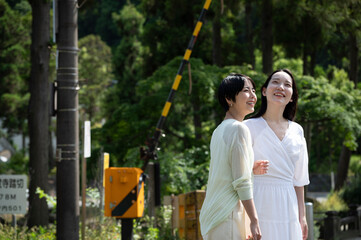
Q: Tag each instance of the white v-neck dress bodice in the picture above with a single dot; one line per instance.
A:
(274, 194)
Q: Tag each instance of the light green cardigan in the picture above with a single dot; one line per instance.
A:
(230, 173)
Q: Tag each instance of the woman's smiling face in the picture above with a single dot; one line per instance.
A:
(279, 89)
(246, 99)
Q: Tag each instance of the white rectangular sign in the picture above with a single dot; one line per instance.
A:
(87, 139)
(13, 194)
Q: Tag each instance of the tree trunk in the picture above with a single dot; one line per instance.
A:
(249, 34)
(39, 112)
(353, 58)
(217, 40)
(197, 120)
(345, 156)
(318, 149)
(308, 136)
(305, 60)
(267, 37)
(313, 63)
(23, 140)
(342, 169)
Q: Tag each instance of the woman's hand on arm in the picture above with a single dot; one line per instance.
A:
(260, 167)
(252, 214)
(304, 227)
(302, 211)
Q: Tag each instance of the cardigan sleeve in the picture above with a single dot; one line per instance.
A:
(240, 162)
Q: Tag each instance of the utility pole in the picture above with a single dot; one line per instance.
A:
(67, 150)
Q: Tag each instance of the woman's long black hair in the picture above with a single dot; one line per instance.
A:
(291, 108)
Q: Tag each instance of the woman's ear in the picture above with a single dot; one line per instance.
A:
(264, 91)
(230, 102)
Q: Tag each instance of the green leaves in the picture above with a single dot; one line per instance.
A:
(50, 200)
(333, 101)
(14, 67)
(95, 74)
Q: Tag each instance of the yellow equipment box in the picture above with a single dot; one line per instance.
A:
(124, 192)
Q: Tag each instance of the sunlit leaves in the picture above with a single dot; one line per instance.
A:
(95, 74)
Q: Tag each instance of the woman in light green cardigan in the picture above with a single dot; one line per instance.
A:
(229, 194)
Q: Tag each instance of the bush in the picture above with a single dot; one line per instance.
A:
(7, 232)
(106, 228)
(355, 165)
(351, 193)
(334, 202)
(159, 227)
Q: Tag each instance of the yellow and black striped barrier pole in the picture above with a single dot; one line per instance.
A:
(150, 154)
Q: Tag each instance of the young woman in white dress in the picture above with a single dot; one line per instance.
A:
(279, 194)
(229, 188)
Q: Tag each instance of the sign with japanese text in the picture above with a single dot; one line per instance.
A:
(13, 194)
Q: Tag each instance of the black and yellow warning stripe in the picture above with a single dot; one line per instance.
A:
(178, 77)
(150, 153)
(129, 200)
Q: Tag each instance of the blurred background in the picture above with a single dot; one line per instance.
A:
(129, 54)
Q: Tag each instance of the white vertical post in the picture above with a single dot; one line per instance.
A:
(309, 218)
(332, 180)
(87, 137)
(86, 154)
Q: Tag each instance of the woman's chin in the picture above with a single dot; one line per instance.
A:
(251, 110)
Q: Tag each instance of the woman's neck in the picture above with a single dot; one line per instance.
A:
(234, 115)
(274, 114)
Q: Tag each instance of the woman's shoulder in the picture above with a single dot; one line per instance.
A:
(234, 126)
(253, 122)
(297, 127)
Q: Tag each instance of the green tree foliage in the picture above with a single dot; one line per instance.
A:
(14, 74)
(14, 66)
(332, 107)
(128, 55)
(309, 28)
(146, 39)
(151, 94)
(351, 194)
(95, 17)
(95, 74)
(168, 28)
(18, 164)
(183, 156)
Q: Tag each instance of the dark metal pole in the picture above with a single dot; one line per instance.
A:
(127, 228)
(67, 212)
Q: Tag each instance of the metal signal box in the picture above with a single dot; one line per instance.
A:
(124, 192)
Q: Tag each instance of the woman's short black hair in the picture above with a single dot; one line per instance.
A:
(291, 108)
(230, 87)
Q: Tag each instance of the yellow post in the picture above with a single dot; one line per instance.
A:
(105, 166)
